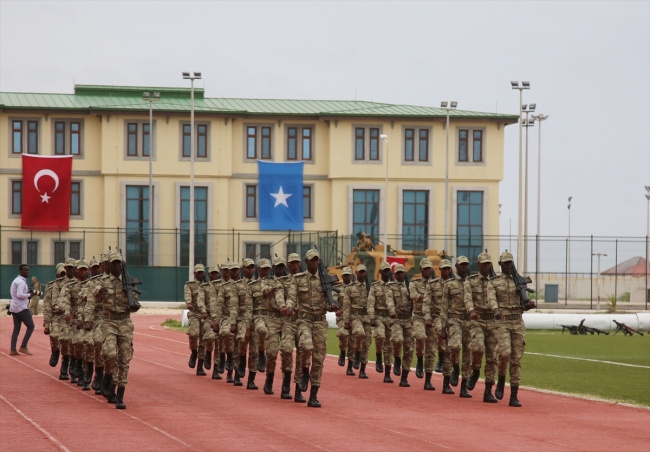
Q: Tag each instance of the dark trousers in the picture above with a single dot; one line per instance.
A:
(24, 316)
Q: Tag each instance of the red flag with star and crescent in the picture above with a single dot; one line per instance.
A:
(47, 181)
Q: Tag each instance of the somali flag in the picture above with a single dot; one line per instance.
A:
(280, 196)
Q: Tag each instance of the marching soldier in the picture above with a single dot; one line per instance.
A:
(455, 321)
(206, 344)
(50, 318)
(425, 338)
(308, 299)
(33, 302)
(214, 288)
(94, 339)
(380, 320)
(510, 349)
(63, 320)
(241, 318)
(401, 314)
(195, 302)
(484, 329)
(431, 309)
(343, 333)
(226, 328)
(273, 294)
(258, 326)
(355, 318)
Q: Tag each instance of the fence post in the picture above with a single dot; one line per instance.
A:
(591, 276)
(537, 266)
(83, 249)
(647, 266)
(566, 273)
(616, 272)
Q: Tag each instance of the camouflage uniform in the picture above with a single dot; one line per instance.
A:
(241, 314)
(342, 333)
(49, 317)
(290, 337)
(355, 313)
(378, 309)
(274, 320)
(223, 314)
(431, 307)
(206, 345)
(402, 326)
(258, 323)
(425, 339)
(93, 339)
(60, 326)
(455, 319)
(33, 302)
(194, 296)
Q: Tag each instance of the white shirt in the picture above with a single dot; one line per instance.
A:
(19, 294)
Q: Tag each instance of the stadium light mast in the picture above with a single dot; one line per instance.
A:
(385, 138)
(148, 97)
(521, 88)
(187, 76)
(528, 123)
(447, 106)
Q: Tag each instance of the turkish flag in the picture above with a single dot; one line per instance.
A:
(394, 260)
(46, 192)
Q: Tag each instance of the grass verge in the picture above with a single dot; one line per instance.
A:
(174, 325)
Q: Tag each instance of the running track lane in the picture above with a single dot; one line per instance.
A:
(169, 408)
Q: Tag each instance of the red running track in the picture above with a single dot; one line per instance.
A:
(169, 408)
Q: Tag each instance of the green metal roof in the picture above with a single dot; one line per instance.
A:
(129, 98)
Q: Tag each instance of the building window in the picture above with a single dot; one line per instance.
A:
(137, 225)
(75, 198)
(68, 137)
(300, 248)
(257, 251)
(469, 229)
(75, 138)
(59, 252)
(201, 140)
(374, 144)
(132, 140)
(462, 145)
(16, 197)
(187, 137)
(200, 225)
(16, 252)
(32, 137)
(32, 252)
(17, 137)
(409, 138)
(139, 138)
(470, 145)
(67, 248)
(365, 213)
(367, 149)
(259, 143)
(201, 137)
(416, 145)
(359, 143)
(59, 138)
(415, 219)
(306, 202)
(24, 136)
(477, 145)
(146, 140)
(300, 143)
(424, 145)
(74, 249)
(251, 201)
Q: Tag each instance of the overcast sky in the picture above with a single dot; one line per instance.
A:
(588, 64)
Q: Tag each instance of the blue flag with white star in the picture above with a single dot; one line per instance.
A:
(280, 196)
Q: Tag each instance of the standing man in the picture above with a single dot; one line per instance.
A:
(401, 313)
(195, 302)
(19, 310)
(380, 320)
(308, 299)
(259, 331)
(431, 309)
(33, 302)
(118, 342)
(510, 349)
(63, 320)
(355, 318)
(273, 295)
(484, 328)
(290, 335)
(224, 307)
(425, 338)
(50, 322)
(343, 333)
(455, 319)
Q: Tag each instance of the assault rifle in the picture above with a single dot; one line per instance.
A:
(328, 283)
(521, 282)
(130, 283)
(585, 329)
(493, 274)
(626, 330)
(573, 329)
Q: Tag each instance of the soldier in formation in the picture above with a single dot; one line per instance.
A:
(355, 319)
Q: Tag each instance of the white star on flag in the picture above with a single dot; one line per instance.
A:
(281, 198)
(45, 198)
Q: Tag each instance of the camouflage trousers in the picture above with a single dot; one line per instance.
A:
(33, 305)
(484, 334)
(273, 337)
(382, 333)
(425, 342)
(60, 332)
(458, 336)
(93, 342)
(252, 344)
(361, 335)
(402, 337)
(206, 343)
(259, 330)
(510, 348)
(437, 328)
(194, 329)
(342, 333)
(225, 336)
(76, 339)
(312, 343)
(289, 341)
(118, 349)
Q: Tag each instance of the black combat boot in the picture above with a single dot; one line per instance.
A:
(387, 378)
(463, 389)
(119, 399)
(229, 361)
(501, 386)
(63, 375)
(304, 379)
(215, 373)
(192, 361)
(261, 361)
(357, 360)
(97, 382)
(342, 358)
(362, 372)
(298, 397)
(286, 386)
(73, 371)
(487, 395)
(112, 398)
(80, 372)
(313, 401)
(54, 358)
(199, 369)
(106, 384)
(397, 367)
(268, 384)
(427, 382)
(222, 363)
(513, 396)
(237, 380)
(88, 376)
(454, 375)
(446, 389)
(251, 381)
(379, 363)
(350, 372)
(404, 382)
(229, 378)
(207, 361)
(473, 379)
(441, 361)
(241, 368)
(419, 368)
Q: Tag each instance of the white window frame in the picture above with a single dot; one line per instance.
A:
(470, 146)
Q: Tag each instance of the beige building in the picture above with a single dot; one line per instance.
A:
(106, 128)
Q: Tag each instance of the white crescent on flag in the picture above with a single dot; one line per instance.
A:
(52, 174)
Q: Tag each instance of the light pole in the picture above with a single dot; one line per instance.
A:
(569, 252)
(530, 122)
(385, 207)
(147, 97)
(598, 281)
(187, 76)
(540, 117)
(647, 245)
(447, 106)
(524, 85)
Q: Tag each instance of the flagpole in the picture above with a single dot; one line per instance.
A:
(186, 75)
(385, 207)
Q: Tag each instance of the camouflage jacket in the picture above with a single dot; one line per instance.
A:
(433, 298)
(56, 292)
(47, 302)
(256, 293)
(193, 294)
(502, 291)
(114, 301)
(453, 299)
(210, 299)
(475, 296)
(378, 297)
(223, 301)
(275, 301)
(87, 293)
(355, 297)
(306, 294)
(400, 303)
(418, 289)
(240, 304)
(69, 298)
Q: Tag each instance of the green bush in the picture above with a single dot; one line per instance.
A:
(625, 296)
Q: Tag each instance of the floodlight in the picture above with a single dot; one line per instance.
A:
(515, 85)
(454, 104)
(197, 75)
(186, 75)
(525, 85)
(443, 104)
(156, 95)
(145, 96)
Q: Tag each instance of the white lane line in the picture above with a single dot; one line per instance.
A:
(158, 337)
(162, 349)
(33, 422)
(102, 401)
(164, 365)
(587, 359)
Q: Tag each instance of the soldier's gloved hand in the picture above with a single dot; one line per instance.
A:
(393, 315)
(68, 318)
(247, 335)
(233, 329)
(79, 324)
(334, 308)
(204, 316)
(88, 326)
(284, 311)
(373, 322)
(339, 313)
(46, 331)
(346, 326)
(497, 314)
(531, 305)
(190, 307)
(473, 315)
(443, 333)
(428, 324)
(290, 312)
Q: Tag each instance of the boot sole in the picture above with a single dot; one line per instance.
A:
(286, 397)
